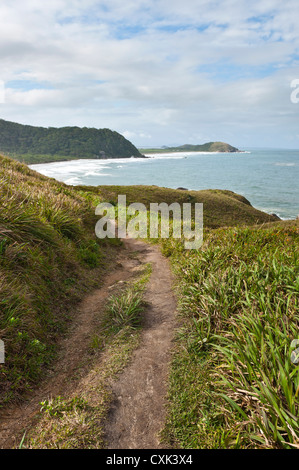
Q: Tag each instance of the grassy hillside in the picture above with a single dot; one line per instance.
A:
(31, 144)
(48, 252)
(48, 259)
(220, 207)
(208, 147)
(233, 383)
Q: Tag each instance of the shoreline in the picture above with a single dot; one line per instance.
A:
(145, 155)
(110, 171)
(170, 154)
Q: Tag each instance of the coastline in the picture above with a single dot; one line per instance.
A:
(254, 175)
(186, 154)
(143, 156)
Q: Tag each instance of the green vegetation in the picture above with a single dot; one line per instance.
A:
(233, 384)
(208, 147)
(30, 144)
(49, 256)
(221, 207)
(124, 311)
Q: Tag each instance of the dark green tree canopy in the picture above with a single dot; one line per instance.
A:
(21, 140)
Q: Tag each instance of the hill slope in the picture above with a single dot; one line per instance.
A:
(32, 144)
(221, 208)
(49, 255)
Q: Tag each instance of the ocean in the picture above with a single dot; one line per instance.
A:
(268, 178)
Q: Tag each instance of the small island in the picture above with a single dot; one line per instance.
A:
(220, 147)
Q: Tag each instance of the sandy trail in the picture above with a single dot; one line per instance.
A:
(138, 412)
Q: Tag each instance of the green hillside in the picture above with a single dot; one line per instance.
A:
(208, 147)
(48, 252)
(32, 144)
(49, 257)
(221, 208)
(233, 382)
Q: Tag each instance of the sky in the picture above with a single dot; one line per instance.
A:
(160, 72)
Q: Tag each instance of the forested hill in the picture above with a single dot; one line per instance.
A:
(222, 147)
(32, 144)
(208, 147)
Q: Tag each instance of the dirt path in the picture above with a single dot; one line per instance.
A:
(137, 412)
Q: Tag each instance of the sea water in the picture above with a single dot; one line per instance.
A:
(268, 178)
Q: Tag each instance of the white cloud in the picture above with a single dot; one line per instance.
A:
(154, 68)
(133, 135)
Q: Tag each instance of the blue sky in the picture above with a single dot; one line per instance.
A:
(160, 72)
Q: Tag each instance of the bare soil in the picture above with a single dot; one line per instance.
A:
(137, 411)
(137, 414)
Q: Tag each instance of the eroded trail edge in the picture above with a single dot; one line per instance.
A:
(138, 411)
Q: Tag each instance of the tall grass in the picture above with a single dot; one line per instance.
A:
(47, 249)
(239, 301)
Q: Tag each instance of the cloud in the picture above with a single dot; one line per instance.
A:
(154, 68)
(133, 135)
